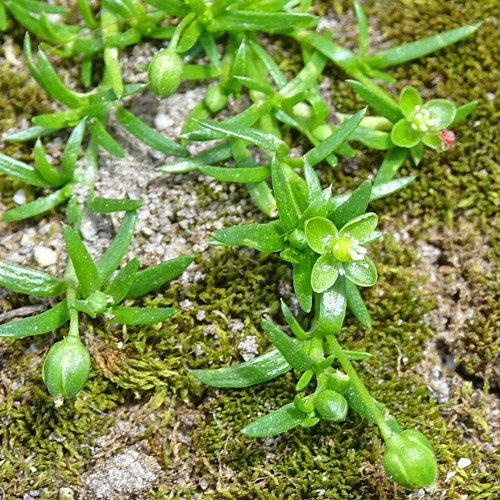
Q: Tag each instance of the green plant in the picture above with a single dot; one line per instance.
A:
(321, 234)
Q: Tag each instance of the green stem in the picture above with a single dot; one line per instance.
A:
(365, 396)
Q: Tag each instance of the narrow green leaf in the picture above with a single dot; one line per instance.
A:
(36, 325)
(271, 22)
(263, 237)
(329, 145)
(356, 303)
(354, 206)
(306, 77)
(291, 351)
(158, 275)
(209, 46)
(21, 171)
(276, 422)
(417, 153)
(172, 7)
(34, 6)
(214, 155)
(465, 110)
(70, 153)
(252, 174)
(29, 281)
(112, 257)
(86, 13)
(393, 159)
(149, 136)
(312, 181)
(39, 206)
(3, 17)
(189, 37)
(332, 306)
(251, 372)
(107, 205)
(255, 136)
(68, 118)
(302, 283)
(376, 101)
(363, 29)
(387, 188)
(375, 139)
(271, 66)
(287, 208)
(403, 135)
(105, 140)
(140, 315)
(85, 269)
(121, 283)
(44, 168)
(413, 50)
(29, 134)
(53, 84)
(292, 322)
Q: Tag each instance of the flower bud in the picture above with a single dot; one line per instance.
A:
(66, 367)
(215, 98)
(297, 239)
(331, 405)
(409, 459)
(165, 72)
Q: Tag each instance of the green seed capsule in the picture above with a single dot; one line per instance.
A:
(331, 405)
(66, 367)
(165, 72)
(409, 459)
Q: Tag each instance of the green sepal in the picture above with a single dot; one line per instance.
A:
(361, 272)
(324, 273)
(36, 325)
(442, 110)
(140, 315)
(360, 227)
(85, 268)
(403, 135)
(356, 304)
(276, 422)
(290, 350)
(320, 232)
(409, 99)
(254, 371)
(263, 237)
(158, 275)
(29, 281)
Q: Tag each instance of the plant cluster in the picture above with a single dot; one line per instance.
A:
(323, 235)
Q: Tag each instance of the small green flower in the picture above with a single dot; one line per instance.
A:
(422, 122)
(409, 459)
(341, 251)
(331, 405)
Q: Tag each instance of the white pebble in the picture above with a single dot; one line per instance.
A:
(163, 121)
(19, 197)
(44, 256)
(463, 463)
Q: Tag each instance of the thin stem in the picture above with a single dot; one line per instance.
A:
(365, 396)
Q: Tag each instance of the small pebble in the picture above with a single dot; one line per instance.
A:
(44, 256)
(19, 197)
(163, 121)
(463, 463)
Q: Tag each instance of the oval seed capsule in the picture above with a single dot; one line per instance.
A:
(66, 367)
(331, 405)
(409, 459)
(165, 72)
